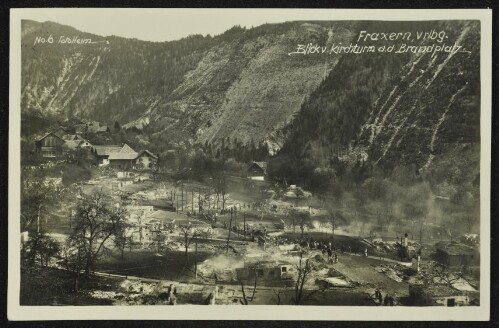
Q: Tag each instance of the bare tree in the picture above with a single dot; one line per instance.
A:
(277, 294)
(245, 300)
(40, 246)
(302, 219)
(73, 258)
(336, 219)
(303, 268)
(220, 184)
(230, 228)
(96, 221)
(36, 193)
(186, 232)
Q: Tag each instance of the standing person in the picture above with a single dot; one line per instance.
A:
(365, 252)
(380, 297)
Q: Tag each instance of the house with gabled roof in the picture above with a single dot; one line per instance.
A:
(78, 144)
(98, 129)
(146, 159)
(50, 145)
(121, 157)
(257, 171)
(60, 131)
(103, 151)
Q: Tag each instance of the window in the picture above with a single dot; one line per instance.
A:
(284, 269)
(451, 302)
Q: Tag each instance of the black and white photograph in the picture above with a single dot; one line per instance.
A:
(305, 160)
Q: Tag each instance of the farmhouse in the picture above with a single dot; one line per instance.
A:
(122, 160)
(60, 132)
(50, 145)
(257, 171)
(103, 152)
(91, 127)
(98, 129)
(77, 144)
(121, 157)
(146, 159)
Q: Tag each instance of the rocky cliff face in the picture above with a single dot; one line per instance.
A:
(241, 84)
(407, 109)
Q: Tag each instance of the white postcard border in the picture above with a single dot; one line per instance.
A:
(256, 312)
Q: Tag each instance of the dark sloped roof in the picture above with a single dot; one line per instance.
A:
(127, 149)
(122, 156)
(46, 135)
(60, 132)
(147, 152)
(72, 137)
(115, 152)
(106, 150)
(125, 153)
(73, 144)
(95, 129)
(261, 165)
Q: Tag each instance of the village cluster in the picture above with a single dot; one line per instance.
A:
(63, 140)
(250, 242)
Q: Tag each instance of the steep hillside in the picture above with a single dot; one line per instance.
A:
(240, 85)
(406, 109)
(110, 79)
(432, 107)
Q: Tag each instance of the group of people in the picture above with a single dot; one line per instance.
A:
(387, 300)
(332, 256)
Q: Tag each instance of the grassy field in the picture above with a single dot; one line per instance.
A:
(171, 264)
(46, 286)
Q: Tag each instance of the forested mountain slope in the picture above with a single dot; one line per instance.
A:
(384, 109)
